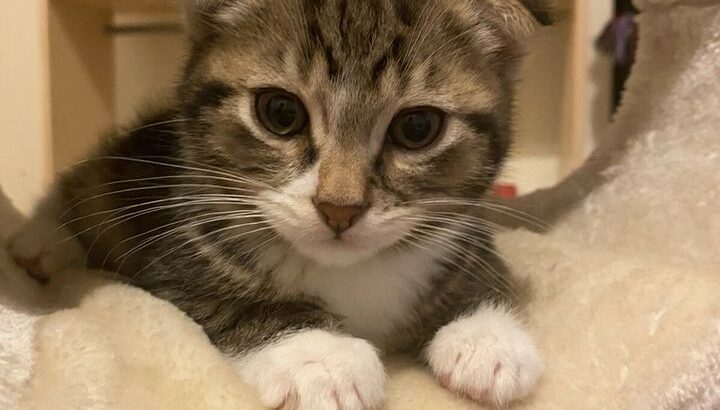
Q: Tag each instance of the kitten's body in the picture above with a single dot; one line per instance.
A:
(203, 207)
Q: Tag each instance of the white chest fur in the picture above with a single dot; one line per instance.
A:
(375, 297)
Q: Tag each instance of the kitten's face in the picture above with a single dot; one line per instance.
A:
(353, 115)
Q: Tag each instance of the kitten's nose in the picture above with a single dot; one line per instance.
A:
(340, 218)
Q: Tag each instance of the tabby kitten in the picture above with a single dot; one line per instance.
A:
(308, 197)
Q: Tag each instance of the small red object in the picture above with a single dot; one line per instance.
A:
(505, 191)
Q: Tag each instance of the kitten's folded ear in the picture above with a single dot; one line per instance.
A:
(519, 18)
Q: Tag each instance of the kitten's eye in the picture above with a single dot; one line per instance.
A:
(281, 112)
(417, 128)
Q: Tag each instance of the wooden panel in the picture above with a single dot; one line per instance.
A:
(575, 108)
(146, 65)
(82, 79)
(125, 6)
(25, 153)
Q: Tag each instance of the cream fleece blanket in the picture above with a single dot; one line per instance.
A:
(626, 306)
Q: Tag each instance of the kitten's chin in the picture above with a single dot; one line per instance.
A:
(336, 252)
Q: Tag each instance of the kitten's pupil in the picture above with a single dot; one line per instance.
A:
(283, 111)
(416, 126)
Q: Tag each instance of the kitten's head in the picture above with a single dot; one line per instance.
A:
(353, 116)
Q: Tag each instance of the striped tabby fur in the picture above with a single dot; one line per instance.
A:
(200, 205)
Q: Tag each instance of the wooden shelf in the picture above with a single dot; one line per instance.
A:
(129, 6)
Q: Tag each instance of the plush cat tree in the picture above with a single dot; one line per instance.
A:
(626, 306)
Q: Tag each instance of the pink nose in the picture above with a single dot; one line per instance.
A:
(339, 218)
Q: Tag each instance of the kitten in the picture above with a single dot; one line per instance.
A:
(308, 197)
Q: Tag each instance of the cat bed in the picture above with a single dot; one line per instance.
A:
(626, 284)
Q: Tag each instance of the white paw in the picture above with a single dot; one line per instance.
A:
(43, 247)
(487, 357)
(316, 370)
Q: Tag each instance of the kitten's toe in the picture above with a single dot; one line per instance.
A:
(316, 370)
(487, 357)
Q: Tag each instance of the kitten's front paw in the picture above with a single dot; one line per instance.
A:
(316, 370)
(487, 357)
(43, 247)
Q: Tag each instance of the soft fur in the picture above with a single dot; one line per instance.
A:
(625, 306)
(208, 205)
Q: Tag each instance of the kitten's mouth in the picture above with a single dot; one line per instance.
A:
(337, 249)
(338, 237)
(341, 240)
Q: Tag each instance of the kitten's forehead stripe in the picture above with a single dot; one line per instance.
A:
(379, 68)
(353, 37)
(318, 39)
(343, 20)
(404, 12)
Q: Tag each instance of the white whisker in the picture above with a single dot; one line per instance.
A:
(183, 224)
(147, 210)
(150, 188)
(205, 236)
(487, 205)
(494, 279)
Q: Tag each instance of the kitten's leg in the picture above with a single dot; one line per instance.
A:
(306, 367)
(43, 246)
(487, 356)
